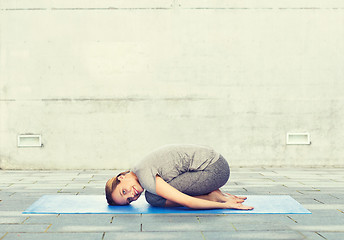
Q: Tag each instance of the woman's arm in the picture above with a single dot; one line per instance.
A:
(175, 197)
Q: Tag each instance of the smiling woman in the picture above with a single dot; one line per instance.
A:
(116, 186)
(176, 175)
(125, 189)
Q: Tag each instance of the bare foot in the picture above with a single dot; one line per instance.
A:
(239, 197)
(218, 196)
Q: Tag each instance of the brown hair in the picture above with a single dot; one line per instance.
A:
(110, 186)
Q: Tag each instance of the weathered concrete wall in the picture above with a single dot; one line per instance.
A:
(105, 82)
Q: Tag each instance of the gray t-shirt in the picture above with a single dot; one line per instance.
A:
(172, 160)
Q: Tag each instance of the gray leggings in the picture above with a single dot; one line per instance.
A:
(196, 183)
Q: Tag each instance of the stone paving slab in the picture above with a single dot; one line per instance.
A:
(41, 219)
(331, 219)
(248, 235)
(312, 235)
(129, 227)
(321, 190)
(257, 226)
(319, 228)
(12, 220)
(17, 228)
(246, 218)
(99, 222)
(155, 236)
(332, 236)
(16, 203)
(161, 223)
(54, 236)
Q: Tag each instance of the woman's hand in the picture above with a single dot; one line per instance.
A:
(236, 205)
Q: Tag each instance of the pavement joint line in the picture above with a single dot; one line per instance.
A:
(333, 196)
(3, 236)
(320, 235)
(112, 219)
(203, 235)
(25, 220)
(340, 210)
(318, 201)
(234, 227)
(48, 228)
(292, 219)
(103, 235)
(303, 235)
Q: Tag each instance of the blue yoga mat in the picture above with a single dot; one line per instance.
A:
(96, 204)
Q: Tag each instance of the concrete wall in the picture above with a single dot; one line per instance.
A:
(105, 82)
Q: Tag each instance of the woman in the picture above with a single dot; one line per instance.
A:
(176, 175)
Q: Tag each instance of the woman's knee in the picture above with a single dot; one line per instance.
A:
(224, 169)
(155, 200)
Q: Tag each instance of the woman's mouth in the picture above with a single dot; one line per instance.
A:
(135, 191)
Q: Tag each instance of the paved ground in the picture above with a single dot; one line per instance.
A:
(319, 189)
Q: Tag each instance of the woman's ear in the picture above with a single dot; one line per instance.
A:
(121, 177)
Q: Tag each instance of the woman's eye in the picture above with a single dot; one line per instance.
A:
(124, 192)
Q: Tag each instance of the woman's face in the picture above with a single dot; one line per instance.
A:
(128, 190)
